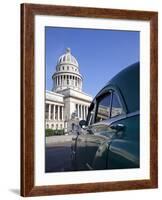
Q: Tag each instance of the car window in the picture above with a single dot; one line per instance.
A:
(116, 106)
(103, 108)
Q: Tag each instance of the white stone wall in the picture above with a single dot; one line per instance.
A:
(77, 103)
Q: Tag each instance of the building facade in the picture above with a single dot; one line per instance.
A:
(66, 104)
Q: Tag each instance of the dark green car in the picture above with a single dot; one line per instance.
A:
(109, 138)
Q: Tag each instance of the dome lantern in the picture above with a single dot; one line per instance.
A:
(68, 50)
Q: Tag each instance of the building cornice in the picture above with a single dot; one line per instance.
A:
(69, 92)
(53, 96)
(54, 93)
(81, 99)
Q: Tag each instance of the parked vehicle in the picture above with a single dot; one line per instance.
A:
(109, 138)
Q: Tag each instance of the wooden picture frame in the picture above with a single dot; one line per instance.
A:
(28, 12)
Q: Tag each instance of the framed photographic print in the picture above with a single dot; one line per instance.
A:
(88, 99)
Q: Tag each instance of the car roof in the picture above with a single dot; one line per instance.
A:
(127, 82)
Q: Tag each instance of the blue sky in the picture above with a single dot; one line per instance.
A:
(101, 54)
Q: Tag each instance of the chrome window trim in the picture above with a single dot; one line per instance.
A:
(118, 118)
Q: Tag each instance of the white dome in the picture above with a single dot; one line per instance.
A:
(67, 58)
(67, 73)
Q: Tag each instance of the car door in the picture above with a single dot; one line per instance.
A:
(97, 144)
(124, 149)
(96, 139)
(106, 127)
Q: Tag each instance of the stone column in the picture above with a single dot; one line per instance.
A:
(53, 112)
(78, 111)
(60, 80)
(62, 112)
(58, 112)
(49, 112)
(68, 79)
(65, 80)
(73, 81)
(84, 112)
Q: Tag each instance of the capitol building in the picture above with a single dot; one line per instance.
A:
(66, 104)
